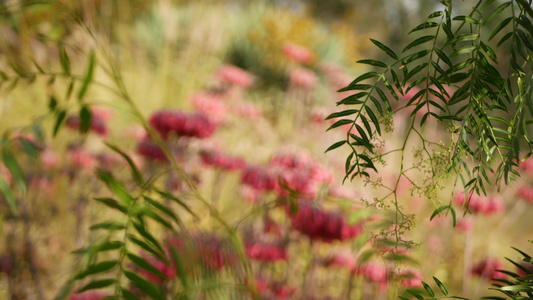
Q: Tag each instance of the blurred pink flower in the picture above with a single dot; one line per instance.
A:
(303, 78)
(341, 259)
(266, 252)
(487, 269)
(410, 278)
(465, 224)
(5, 174)
(49, 159)
(250, 193)
(77, 157)
(102, 113)
(318, 115)
(148, 149)
(235, 75)
(136, 132)
(525, 192)
(97, 125)
(197, 125)
(248, 111)
(222, 161)
(298, 53)
(321, 225)
(373, 272)
(210, 105)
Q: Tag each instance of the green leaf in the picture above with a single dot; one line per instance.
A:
(145, 246)
(142, 263)
(428, 289)
(128, 295)
(500, 27)
(454, 217)
(340, 123)
(437, 211)
(108, 226)
(336, 145)
(117, 188)
(101, 267)
(374, 119)
(416, 56)
(462, 38)
(8, 194)
(342, 114)
(517, 288)
(52, 103)
(14, 168)
(63, 59)
(466, 19)
(88, 77)
(86, 117)
(496, 12)
(441, 286)
(135, 171)
(443, 57)
(177, 200)
(385, 49)
(98, 284)
(161, 207)
(112, 203)
(61, 115)
(145, 286)
(424, 25)
(415, 293)
(373, 62)
(464, 50)
(418, 41)
(142, 231)
(365, 76)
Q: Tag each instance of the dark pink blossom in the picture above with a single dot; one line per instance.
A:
(487, 269)
(221, 160)
(266, 252)
(525, 192)
(260, 178)
(181, 124)
(321, 225)
(97, 124)
(148, 149)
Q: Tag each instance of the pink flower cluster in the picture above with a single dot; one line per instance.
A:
(374, 272)
(235, 75)
(183, 125)
(480, 204)
(260, 178)
(321, 225)
(266, 252)
(97, 124)
(525, 192)
(222, 161)
(527, 166)
(148, 149)
(487, 269)
(210, 105)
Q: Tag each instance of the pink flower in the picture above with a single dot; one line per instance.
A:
(341, 260)
(373, 272)
(97, 124)
(526, 193)
(168, 270)
(465, 224)
(5, 174)
(210, 105)
(322, 225)
(81, 159)
(102, 113)
(476, 203)
(298, 53)
(221, 160)
(410, 278)
(303, 78)
(49, 159)
(487, 269)
(527, 165)
(235, 75)
(183, 125)
(248, 111)
(250, 194)
(266, 252)
(148, 149)
(260, 178)
(318, 115)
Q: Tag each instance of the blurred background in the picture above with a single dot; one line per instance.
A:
(240, 91)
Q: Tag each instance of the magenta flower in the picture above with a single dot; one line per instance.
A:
(266, 252)
(181, 124)
(97, 124)
(148, 149)
(322, 225)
